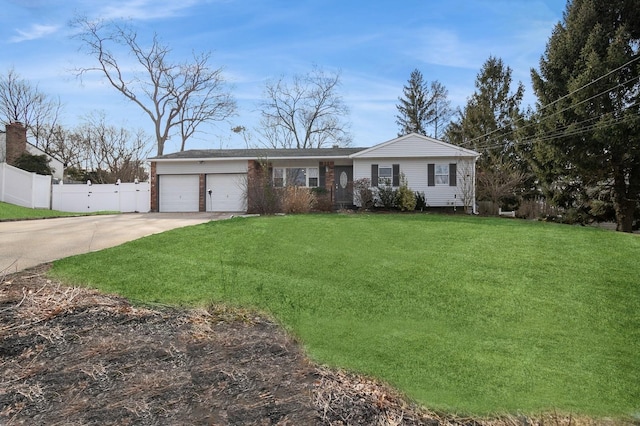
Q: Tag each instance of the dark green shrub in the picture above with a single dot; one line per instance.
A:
(386, 196)
(421, 201)
(34, 163)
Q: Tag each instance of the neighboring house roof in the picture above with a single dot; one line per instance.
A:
(208, 154)
(414, 145)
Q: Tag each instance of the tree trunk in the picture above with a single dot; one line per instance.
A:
(624, 205)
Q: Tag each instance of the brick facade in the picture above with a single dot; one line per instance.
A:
(202, 205)
(153, 179)
(329, 180)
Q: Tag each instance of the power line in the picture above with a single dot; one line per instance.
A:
(466, 143)
(563, 110)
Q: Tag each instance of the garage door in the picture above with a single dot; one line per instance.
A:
(227, 192)
(179, 193)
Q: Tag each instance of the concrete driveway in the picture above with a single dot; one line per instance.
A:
(28, 243)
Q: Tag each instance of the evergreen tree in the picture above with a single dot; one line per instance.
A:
(488, 124)
(34, 163)
(422, 107)
(489, 120)
(588, 112)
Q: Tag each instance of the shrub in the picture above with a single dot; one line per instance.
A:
(262, 197)
(386, 195)
(363, 194)
(323, 199)
(405, 198)
(34, 163)
(421, 201)
(297, 199)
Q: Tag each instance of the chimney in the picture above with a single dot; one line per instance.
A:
(16, 138)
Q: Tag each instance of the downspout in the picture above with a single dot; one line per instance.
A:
(475, 205)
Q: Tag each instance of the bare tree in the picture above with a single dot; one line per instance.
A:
(306, 112)
(500, 180)
(177, 97)
(68, 146)
(110, 152)
(466, 183)
(24, 102)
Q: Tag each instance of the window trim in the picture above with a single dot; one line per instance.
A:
(393, 178)
(442, 174)
(382, 180)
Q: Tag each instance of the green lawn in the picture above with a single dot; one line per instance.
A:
(13, 212)
(463, 314)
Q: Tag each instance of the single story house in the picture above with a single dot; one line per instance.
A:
(216, 180)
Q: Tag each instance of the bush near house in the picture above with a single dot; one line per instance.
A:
(406, 198)
(297, 199)
(386, 196)
(363, 194)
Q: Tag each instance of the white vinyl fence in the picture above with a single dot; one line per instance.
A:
(123, 197)
(23, 188)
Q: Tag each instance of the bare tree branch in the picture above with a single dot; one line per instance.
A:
(305, 113)
(177, 97)
(21, 101)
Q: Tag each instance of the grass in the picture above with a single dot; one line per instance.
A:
(13, 212)
(465, 315)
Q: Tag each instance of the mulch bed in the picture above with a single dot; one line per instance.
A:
(73, 356)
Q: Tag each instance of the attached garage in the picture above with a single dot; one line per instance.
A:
(179, 193)
(227, 192)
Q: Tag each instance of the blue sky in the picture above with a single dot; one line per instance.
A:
(374, 44)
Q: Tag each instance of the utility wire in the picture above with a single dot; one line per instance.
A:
(466, 143)
(561, 111)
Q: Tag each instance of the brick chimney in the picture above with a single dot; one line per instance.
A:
(16, 137)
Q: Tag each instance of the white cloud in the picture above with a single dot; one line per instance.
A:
(145, 9)
(35, 32)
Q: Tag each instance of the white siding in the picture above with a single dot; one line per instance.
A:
(415, 170)
(227, 192)
(412, 146)
(194, 167)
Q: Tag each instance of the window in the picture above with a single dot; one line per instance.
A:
(295, 176)
(312, 174)
(278, 177)
(442, 174)
(385, 175)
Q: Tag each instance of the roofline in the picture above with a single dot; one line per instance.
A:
(321, 157)
(469, 152)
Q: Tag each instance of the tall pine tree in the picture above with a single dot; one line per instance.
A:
(423, 107)
(489, 120)
(488, 124)
(588, 117)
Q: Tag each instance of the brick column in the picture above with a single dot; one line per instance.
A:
(202, 207)
(153, 181)
(329, 180)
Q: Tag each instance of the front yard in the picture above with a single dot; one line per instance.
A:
(465, 315)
